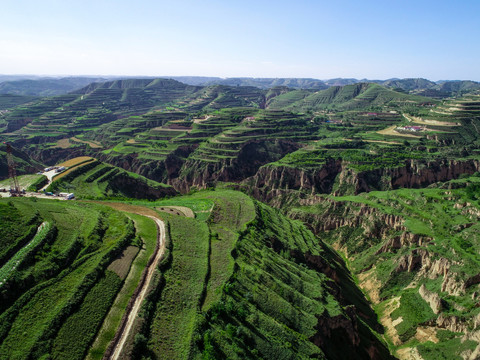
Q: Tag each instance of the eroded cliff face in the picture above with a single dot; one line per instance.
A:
(340, 335)
(204, 173)
(132, 188)
(272, 182)
(162, 170)
(414, 174)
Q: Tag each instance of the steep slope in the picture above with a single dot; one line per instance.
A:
(415, 253)
(24, 164)
(96, 180)
(250, 284)
(282, 272)
(57, 285)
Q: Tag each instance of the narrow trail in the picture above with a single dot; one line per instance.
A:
(132, 315)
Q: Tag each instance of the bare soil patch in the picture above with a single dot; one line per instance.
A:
(391, 131)
(62, 144)
(419, 120)
(121, 265)
(177, 210)
(409, 354)
(139, 295)
(71, 168)
(371, 285)
(386, 320)
(426, 333)
(92, 144)
(136, 209)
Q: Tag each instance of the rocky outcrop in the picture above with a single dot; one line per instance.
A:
(405, 239)
(375, 223)
(452, 286)
(452, 323)
(134, 188)
(165, 171)
(270, 178)
(340, 335)
(415, 174)
(435, 302)
(413, 261)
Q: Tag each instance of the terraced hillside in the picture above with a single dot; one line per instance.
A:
(24, 164)
(457, 119)
(97, 180)
(367, 168)
(56, 285)
(356, 96)
(183, 148)
(249, 283)
(8, 101)
(80, 112)
(208, 298)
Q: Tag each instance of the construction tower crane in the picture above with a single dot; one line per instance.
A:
(12, 173)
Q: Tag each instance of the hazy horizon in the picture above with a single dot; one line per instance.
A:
(59, 76)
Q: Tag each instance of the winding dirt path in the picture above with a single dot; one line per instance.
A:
(132, 315)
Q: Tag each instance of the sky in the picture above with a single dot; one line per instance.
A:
(437, 40)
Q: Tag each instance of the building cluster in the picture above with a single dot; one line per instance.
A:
(410, 128)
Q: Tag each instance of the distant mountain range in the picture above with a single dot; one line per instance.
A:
(51, 86)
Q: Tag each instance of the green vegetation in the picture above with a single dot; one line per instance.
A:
(404, 232)
(384, 175)
(77, 333)
(97, 180)
(146, 230)
(414, 311)
(10, 100)
(19, 257)
(176, 311)
(58, 281)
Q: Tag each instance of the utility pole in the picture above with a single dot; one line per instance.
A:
(12, 174)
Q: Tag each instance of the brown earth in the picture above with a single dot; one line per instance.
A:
(92, 144)
(121, 265)
(177, 210)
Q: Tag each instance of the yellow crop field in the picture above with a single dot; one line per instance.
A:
(76, 161)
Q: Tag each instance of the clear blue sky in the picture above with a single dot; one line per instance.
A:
(301, 38)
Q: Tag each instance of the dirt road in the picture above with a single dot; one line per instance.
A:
(132, 315)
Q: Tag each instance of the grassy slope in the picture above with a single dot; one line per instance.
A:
(231, 306)
(147, 231)
(98, 180)
(200, 265)
(448, 216)
(176, 312)
(59, 281)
